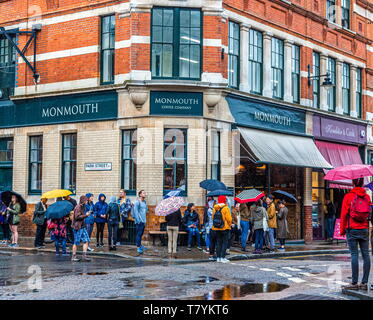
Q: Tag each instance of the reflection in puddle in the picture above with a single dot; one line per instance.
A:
(6, 283)
(92, 273)
(231, 291)
(206, 279)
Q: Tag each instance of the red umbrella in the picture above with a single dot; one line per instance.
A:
(349, 172)
(250, 195)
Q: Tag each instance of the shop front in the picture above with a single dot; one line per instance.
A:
(341, 143)
(273, 151)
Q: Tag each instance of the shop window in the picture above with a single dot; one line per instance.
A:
(215, 155)
(316, 79)
(331, 91)
(330, 10)
(346, 14)
(176, 43)
(107, 49)
(277, 66)
(35, 164)
(295, 73)
(346, 88)
(6, 163)
(7, 68)
(234, 54)
(255, 61)
(358, 92)
(175, 160)
(129, 144)
(69, 150)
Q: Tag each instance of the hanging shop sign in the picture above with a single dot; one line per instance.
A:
(176, 103)
(337, 130)
(59, 109)
(265, 115)
(98, 166)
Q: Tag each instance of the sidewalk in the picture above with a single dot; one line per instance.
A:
(296, 248)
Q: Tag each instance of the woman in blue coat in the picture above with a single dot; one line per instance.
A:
(100, 218)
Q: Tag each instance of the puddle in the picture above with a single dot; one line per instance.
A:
(7, 283)
(151, 283)
(92, 273)
(207, 279)
(232, 291)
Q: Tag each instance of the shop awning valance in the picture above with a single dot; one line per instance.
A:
(282, 149)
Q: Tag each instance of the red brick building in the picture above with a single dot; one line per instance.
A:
(110, 86)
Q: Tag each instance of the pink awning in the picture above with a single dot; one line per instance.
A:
(339, 155)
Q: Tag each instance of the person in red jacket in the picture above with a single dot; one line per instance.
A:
(355, 224)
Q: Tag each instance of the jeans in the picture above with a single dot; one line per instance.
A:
(89, 229)
(113, 232)
(40, 235)
(100, 226)
(6, 231)
(245, 227)
(330, 227)
(271, 234)
(172, 233)
(140, 227)
(60, 242)
(191, 233)
(207, 239)
(356, 238)
(222, 238)
(259, 239)
(212, 242)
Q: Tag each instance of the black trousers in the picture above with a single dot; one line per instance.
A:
(6, 231)
(113, 233)
(40, 234)
(212, 242)
(222, 238)
(100, 226)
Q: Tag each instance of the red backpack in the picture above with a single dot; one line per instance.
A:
(360, 209)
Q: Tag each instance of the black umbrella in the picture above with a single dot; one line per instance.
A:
(59, 209)
(216, 193)
(6, 197)
(283, 195)
(212, 184)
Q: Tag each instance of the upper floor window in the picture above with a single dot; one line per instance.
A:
(330, 10)
(7, 68)
(295, 73)
(331, 91)
(215, 155)
(346, 14)
(69, 157)
(6, 150)
(234, 54)
(176, 43)
(346, 88)
(255, 61)
(129, 144)
(35, 164)
(316, 79)
(277, 63)
(107, 49)
(359, 90)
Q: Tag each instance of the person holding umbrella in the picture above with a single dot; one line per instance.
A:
(272, 221)
(41, 222)
(14, 210)
(4, 223)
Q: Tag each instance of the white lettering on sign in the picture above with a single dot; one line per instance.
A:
(273, 118)
(347, 132)
(98, 166)
(177, 100)
(75, 109)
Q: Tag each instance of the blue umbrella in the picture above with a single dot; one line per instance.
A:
(172, 193)
(285, 195)
(220, 192)
(369, 185)
(59, 209)
(212, 184)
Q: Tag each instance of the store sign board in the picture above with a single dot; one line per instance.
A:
(337, 130)
(176, 103)
(265, 115)
(98, 166)
(59, 109)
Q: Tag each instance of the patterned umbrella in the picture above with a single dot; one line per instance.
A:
(169, 205)
(251, 195)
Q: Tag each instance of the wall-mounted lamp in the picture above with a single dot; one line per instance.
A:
(222, 53)
(327, 83)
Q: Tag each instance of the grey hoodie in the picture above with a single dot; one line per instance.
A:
(257, 217)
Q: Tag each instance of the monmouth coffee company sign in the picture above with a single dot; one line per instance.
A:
(176, 103)
(59, 109)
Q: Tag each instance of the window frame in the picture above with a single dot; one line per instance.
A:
(255, 49)
(231, 55)
(39, 162)
(330, 3)
(275, 68)
(132, 159)
(102, 50)
(346, 88)
(213, 147)
(185, 131)
(176, 43)
(63, 161)
(331, 93)
(295, 74)
(359, 92)
(11, 63)
(316, 80)
(346, 13)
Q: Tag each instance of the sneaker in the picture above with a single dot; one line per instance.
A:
(243, 250)
(97, 245)
(139, 251)
(189, 248)
(11, 245)
(224, 260)
(143, 248)
(15, 245)
(205, 251)
(199, 248)
(114, 248)
(351, 287)
(371, 287)
(65, 254)
(363, 286)
(228, 251)
(218, 260)
(111, 249)
(75, 259)
(86, 259)
(90, 249)
(212, 259)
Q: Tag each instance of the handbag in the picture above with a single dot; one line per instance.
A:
(265, 224)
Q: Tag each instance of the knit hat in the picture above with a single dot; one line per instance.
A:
(222, 199)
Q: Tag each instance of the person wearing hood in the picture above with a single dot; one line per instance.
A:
(356, 209)
(258, 215)
(90, 220)
(125, 207)
(80, 230)
(113, 217)
(100, 210)
(191, 221)
(207, 222)
(41, 222)
(221, 224)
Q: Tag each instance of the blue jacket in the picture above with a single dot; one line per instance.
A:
(140, 210)
(90, 207)
(100, 209)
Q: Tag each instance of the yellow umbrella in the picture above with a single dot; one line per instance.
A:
(56, 194)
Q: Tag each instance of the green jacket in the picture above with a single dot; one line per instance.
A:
(39, 214)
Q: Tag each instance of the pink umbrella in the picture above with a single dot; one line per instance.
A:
(169, 205)
(349, 172)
